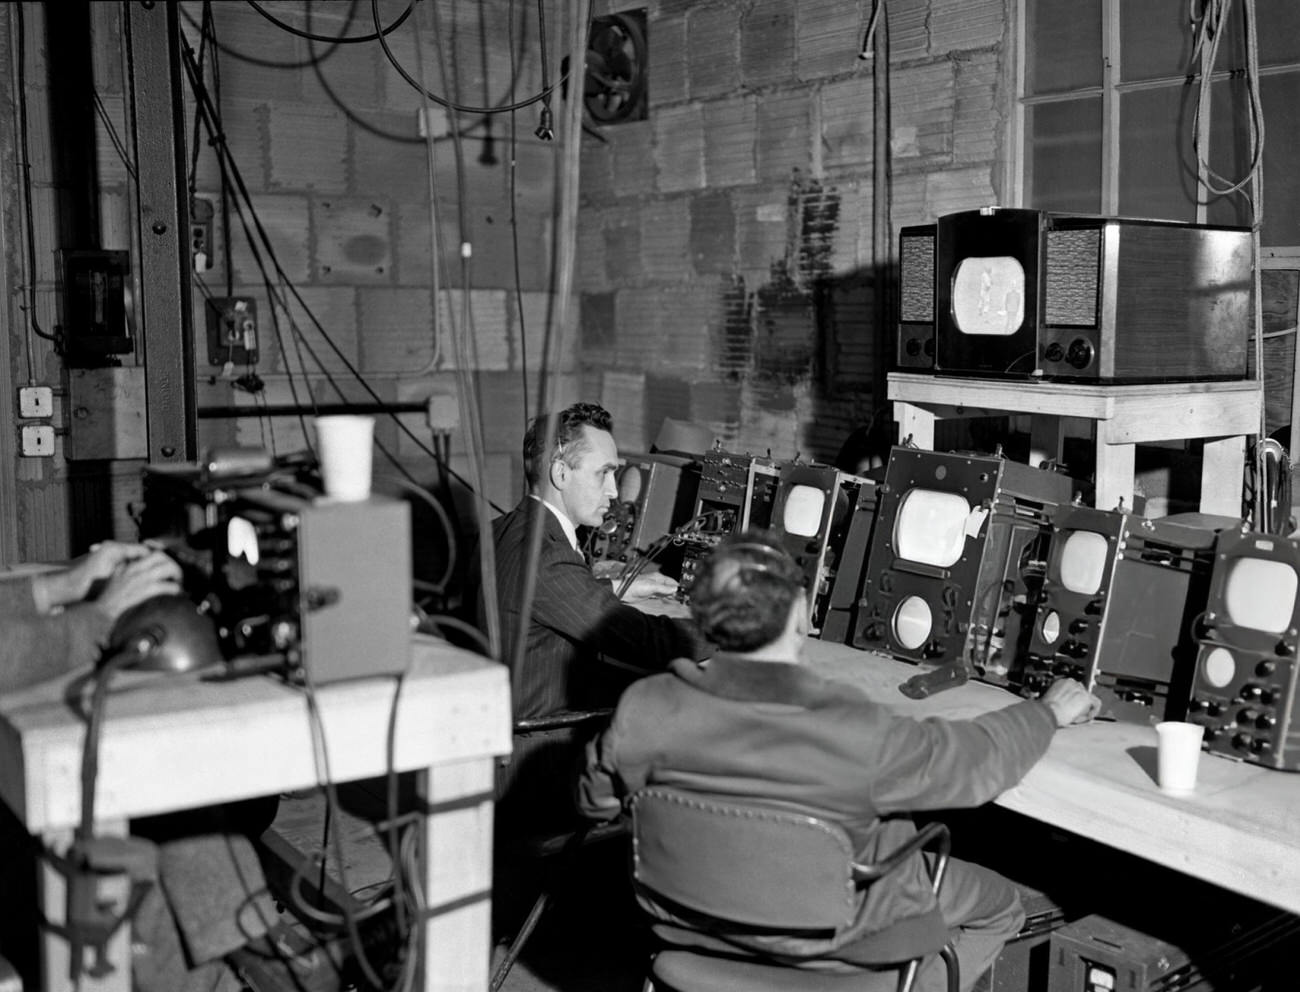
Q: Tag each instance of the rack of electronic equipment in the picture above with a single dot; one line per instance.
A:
(970, 565)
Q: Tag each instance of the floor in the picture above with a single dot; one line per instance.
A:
(592, 938)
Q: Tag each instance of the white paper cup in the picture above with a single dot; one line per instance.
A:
(1178, 752)
(345, 445)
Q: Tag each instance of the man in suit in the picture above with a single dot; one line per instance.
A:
(755, 722)
(583, 644)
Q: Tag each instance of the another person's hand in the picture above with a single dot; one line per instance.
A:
(650, 585)
(75, 582)
(1070, 702)
(139, 579)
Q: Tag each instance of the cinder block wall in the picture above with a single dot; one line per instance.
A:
(725, 269)
(727, 272)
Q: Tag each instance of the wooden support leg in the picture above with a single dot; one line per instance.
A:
(1223, 466)
(458, 876)
(915, 422)
(1045, 437)
(56, 955)
(1114, 478)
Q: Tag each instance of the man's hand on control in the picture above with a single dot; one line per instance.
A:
(1070, 702)
(650, 585)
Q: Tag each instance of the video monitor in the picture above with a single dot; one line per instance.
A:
(930, 527)
(1082, 564)
(1259, 593)
(802, 515)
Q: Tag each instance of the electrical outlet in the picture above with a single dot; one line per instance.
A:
(201, 214)
(35, 401)
(37, 441)
(232, 330)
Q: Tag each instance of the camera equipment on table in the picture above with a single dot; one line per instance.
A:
(324, 585)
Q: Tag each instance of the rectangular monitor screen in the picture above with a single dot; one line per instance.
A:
(1259, 593)
(931, 527)
(803, 511)
(1084, 554)
(988, 296)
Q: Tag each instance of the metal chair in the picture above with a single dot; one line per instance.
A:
(722, 876)
(539, 774)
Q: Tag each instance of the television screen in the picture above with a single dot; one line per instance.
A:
(803, 511)
(988, 295)
(1259, 593)
(629, 484)
(931, 527)
(1083, 561)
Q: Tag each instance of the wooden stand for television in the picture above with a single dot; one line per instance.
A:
(1223, 413)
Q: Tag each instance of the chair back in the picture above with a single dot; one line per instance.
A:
(725, 860)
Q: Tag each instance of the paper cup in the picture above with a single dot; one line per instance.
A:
(345, 444)
(1178, 752)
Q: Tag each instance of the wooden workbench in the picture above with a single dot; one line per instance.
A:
(172, 743)
(1240, 830)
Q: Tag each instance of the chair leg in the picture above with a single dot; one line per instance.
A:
(517, 945)
(907, 977)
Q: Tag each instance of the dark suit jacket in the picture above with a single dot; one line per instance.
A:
(576, 618)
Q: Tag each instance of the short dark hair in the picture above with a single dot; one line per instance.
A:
(742, 593)
(568, 442)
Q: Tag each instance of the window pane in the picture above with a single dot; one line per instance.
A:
(1063, 47)
(1277, 31)
(1063, 156)
(1229, 151)
(1157, 172)
(1155, 40)
(1281, 99)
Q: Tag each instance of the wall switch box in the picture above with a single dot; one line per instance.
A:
(37, 441)
(35, 401)
(231, 330)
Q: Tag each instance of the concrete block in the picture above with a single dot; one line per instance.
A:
(596, 171)
(622, 234)
(923, 98)
(665, 396)
(713, 48)
(977, 123)
(957, 25)
(286, 219)
(481, 341)
(623, 395)
(729, 141)
(909, 30)
(597, 322)
(353, 240)
(960, 189)
(307, 148)
(665, 239)
(848, 122)
(767, 44)
(258, 77)
(828, 38)
(634, 158)
(668, 56)
(589, 267)
(397, 329)
(784, 140)
(393, 162)
(244, 124)
(302, 346)
(679, 148)
(352, 73)
(539, 318)
(713, 233)
(762, 229)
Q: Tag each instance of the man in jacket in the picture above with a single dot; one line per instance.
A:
(753, 723)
